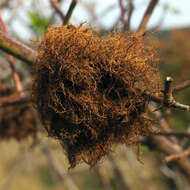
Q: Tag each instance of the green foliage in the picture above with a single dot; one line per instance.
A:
(38, 24)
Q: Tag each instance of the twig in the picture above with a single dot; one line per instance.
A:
(177, 156)
(20, 100)
(11, 60)
(146, 17)
(162, 121)
(123, 10)
(173, 133)
(130, 12)
(55, 5)
(181, 86)
(168, 97)
(168, 100)
(17, 49)
(70, 11)
(163, 145)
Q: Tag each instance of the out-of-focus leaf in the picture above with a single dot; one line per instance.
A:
(38, 24)
(175, 11)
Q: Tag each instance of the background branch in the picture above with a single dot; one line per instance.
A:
(55, 5)
(17, 49)
(70, 11)
(177, 156)
(10, 59)
(163, 145)
(146, 17)
(181, 86)
(173, 133)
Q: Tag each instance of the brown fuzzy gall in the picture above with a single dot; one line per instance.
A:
(88, 89)
(16, 121)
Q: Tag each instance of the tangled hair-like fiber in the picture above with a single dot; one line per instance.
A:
(88, 89)
(16, 121)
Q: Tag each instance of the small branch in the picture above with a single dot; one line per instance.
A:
(11, 60)
(181, 86)
(163, 145)
(55, 5)
(17, 49)
(123, 10)
(162, 121)
(146, 17)
(168, 97)
(130, 12)
(168, 100)
(19, 100)
(70, 11)
(177, 156)
(173, 133)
